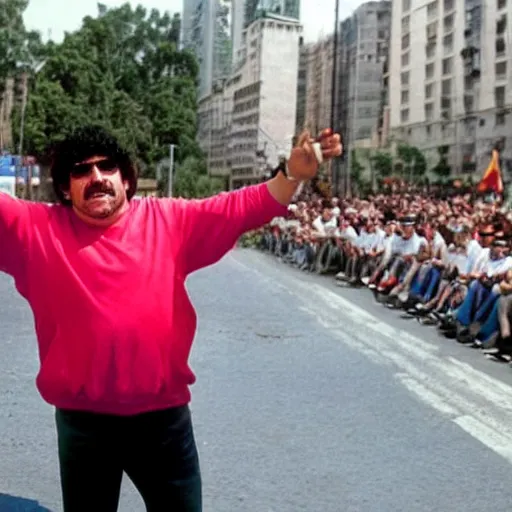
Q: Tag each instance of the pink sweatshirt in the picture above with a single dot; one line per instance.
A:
(113, 319)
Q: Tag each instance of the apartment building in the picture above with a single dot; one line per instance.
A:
(319, 63)
(450, 79)
(249, 120)
(264, 97)
(214, 127)
(365, 38)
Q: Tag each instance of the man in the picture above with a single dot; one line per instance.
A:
(105, 278)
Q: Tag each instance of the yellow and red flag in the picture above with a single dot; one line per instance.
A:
(491, 181)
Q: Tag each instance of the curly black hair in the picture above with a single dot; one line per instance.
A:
(85, 142)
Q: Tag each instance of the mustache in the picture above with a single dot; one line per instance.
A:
(99, 188)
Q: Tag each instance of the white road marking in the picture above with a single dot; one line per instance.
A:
(478, 403)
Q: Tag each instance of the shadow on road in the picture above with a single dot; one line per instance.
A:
(10, 503)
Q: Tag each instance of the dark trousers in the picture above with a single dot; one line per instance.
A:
(156, 450)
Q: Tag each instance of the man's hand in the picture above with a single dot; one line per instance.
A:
(303, 164)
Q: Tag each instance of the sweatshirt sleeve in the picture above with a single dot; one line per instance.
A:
(211, 227)
(14, 229)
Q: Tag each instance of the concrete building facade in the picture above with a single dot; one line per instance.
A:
(248, 121)
(450, 79)
(207, 31)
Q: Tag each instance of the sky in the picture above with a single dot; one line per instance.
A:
(57, 16)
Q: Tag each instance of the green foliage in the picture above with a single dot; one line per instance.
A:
(122, 69)
(413, 161)
(356, 168)
(19, 48)
(191, 180)
(442, 169)
(251, 239)
(382, 164)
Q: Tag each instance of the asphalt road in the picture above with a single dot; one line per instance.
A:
(309, 398)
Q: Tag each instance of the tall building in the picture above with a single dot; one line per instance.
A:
(264, 97)
(246, 12)
(245, 125)
(302, 81)
(450, 79)
(207, 31)
(255, 9)
(364, 39)
(319, 63)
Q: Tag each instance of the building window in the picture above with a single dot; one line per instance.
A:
(446, 103)
(448, 23)
(449, 5)
(432, 9)
(405, 59)
(431, 50)
(404, 115)
(432, 32)
(404, 78)
(429, 111)
(405, 42)
(501, 4)
(447, 66)
(446, 87)
(499, 96)
(405, 24)
(429, 70)
(501, 25)
(500, 47)
(448, 43)
(500, 70)
(405, 97)
(500, 119)
(406, 5)
(429, 91)
(468, 103)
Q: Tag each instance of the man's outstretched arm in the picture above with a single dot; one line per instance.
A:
(210, 227)
(15, 225)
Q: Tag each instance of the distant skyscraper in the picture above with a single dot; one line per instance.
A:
(207, 32)
(257, 8)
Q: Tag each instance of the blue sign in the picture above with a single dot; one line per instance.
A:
(9, 164)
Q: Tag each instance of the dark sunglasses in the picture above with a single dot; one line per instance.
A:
(108, 165)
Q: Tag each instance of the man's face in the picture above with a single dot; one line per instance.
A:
(96, 189)
(326, 214)
(497, 252)
(407, 231)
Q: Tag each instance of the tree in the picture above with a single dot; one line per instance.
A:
(413, 162)
(442, 169)
(122, 69)
(356, 172)
(382, 164)
(191, 180)
(20, 52)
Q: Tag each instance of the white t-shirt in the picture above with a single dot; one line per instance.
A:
(322, 226)
(474, 251)
(439, 247)
(349, 233)
(496, 267)
(409, 247)
(458, 258)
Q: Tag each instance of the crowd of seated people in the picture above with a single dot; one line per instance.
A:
(444, 262)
